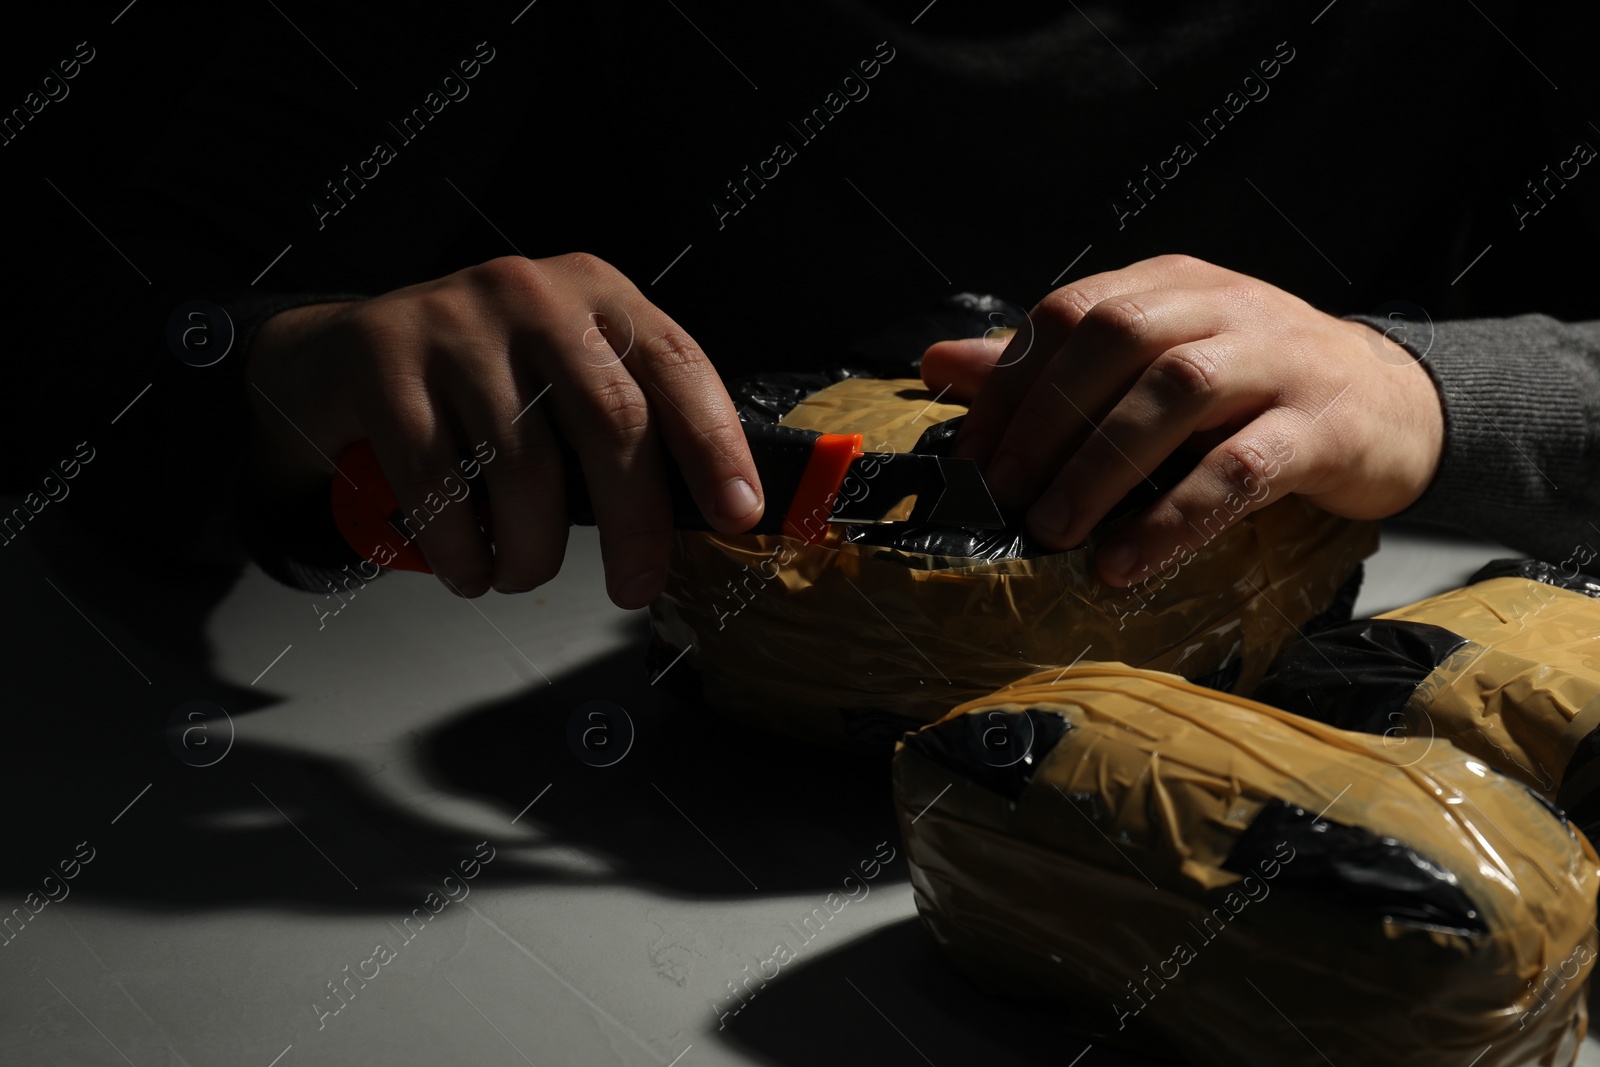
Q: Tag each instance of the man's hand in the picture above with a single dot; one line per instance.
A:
(1113, 373)
(434, 369)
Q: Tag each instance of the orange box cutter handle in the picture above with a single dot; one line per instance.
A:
(812, 504)
(366, 510)
(804, 468)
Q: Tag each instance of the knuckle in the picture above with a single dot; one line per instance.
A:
(1067, 305)
(1247, 294)
(508, 272)
(1169, 520)
(1120, 316)
(1186, 375)
(1172, 524)
(674, 352)
(1187, 270)
(1243, 468)
(583, 264)
(620, 407)
(724, 439)
(1182, 262)
(1248, 304)
(516, 282)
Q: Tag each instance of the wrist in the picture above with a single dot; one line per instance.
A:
(1426, 411)
(298, 421)
(1413, 412)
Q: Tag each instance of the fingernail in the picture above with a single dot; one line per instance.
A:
(1116, 561)
(639, 592)
(1053, 514)
(1005, 477)
(736, 499)
(467, 591)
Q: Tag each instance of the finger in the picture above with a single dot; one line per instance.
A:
(567, 313)
(1046, 330)
(1185, 391)
(417, 449)
(1107, 352)
(1251, 469)
(693, 413)
(521, 462)
(603, 413)
(960, 367)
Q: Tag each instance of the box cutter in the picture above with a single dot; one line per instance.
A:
(810, 480)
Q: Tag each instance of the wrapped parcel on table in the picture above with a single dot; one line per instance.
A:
(1200, 874)
(872, 632)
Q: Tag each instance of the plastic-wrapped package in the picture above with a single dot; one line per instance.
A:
(878, 630)
(1197, 874)
(1507, 668)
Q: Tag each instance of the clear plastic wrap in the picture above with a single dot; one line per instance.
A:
(1199, 874)
(857, 639)
(1507, 668)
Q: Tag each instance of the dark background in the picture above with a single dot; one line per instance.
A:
(986, 157)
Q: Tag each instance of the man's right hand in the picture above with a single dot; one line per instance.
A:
(512, 352)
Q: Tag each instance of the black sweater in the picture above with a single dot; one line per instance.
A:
(780, 177)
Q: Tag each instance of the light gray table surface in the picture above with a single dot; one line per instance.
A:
(371, 752)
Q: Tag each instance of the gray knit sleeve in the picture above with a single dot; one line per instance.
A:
(1521, 461)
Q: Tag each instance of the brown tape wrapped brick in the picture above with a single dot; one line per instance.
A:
(1196, 873)
(1507, 668)
(852, 644)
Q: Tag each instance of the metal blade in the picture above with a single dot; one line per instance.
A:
(966, 500)
(948, 492)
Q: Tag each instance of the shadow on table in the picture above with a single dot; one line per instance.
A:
(698, 806)
(101, 655)
(889, 990)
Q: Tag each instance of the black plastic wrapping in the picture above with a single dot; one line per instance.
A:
(1358, 676)
(999, 751)
(1356, 869)
(1505, 668)
(763, 399)
(1539, 571)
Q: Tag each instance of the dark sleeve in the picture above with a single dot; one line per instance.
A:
(293, 541)
(222, 199)
(1521, 462)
